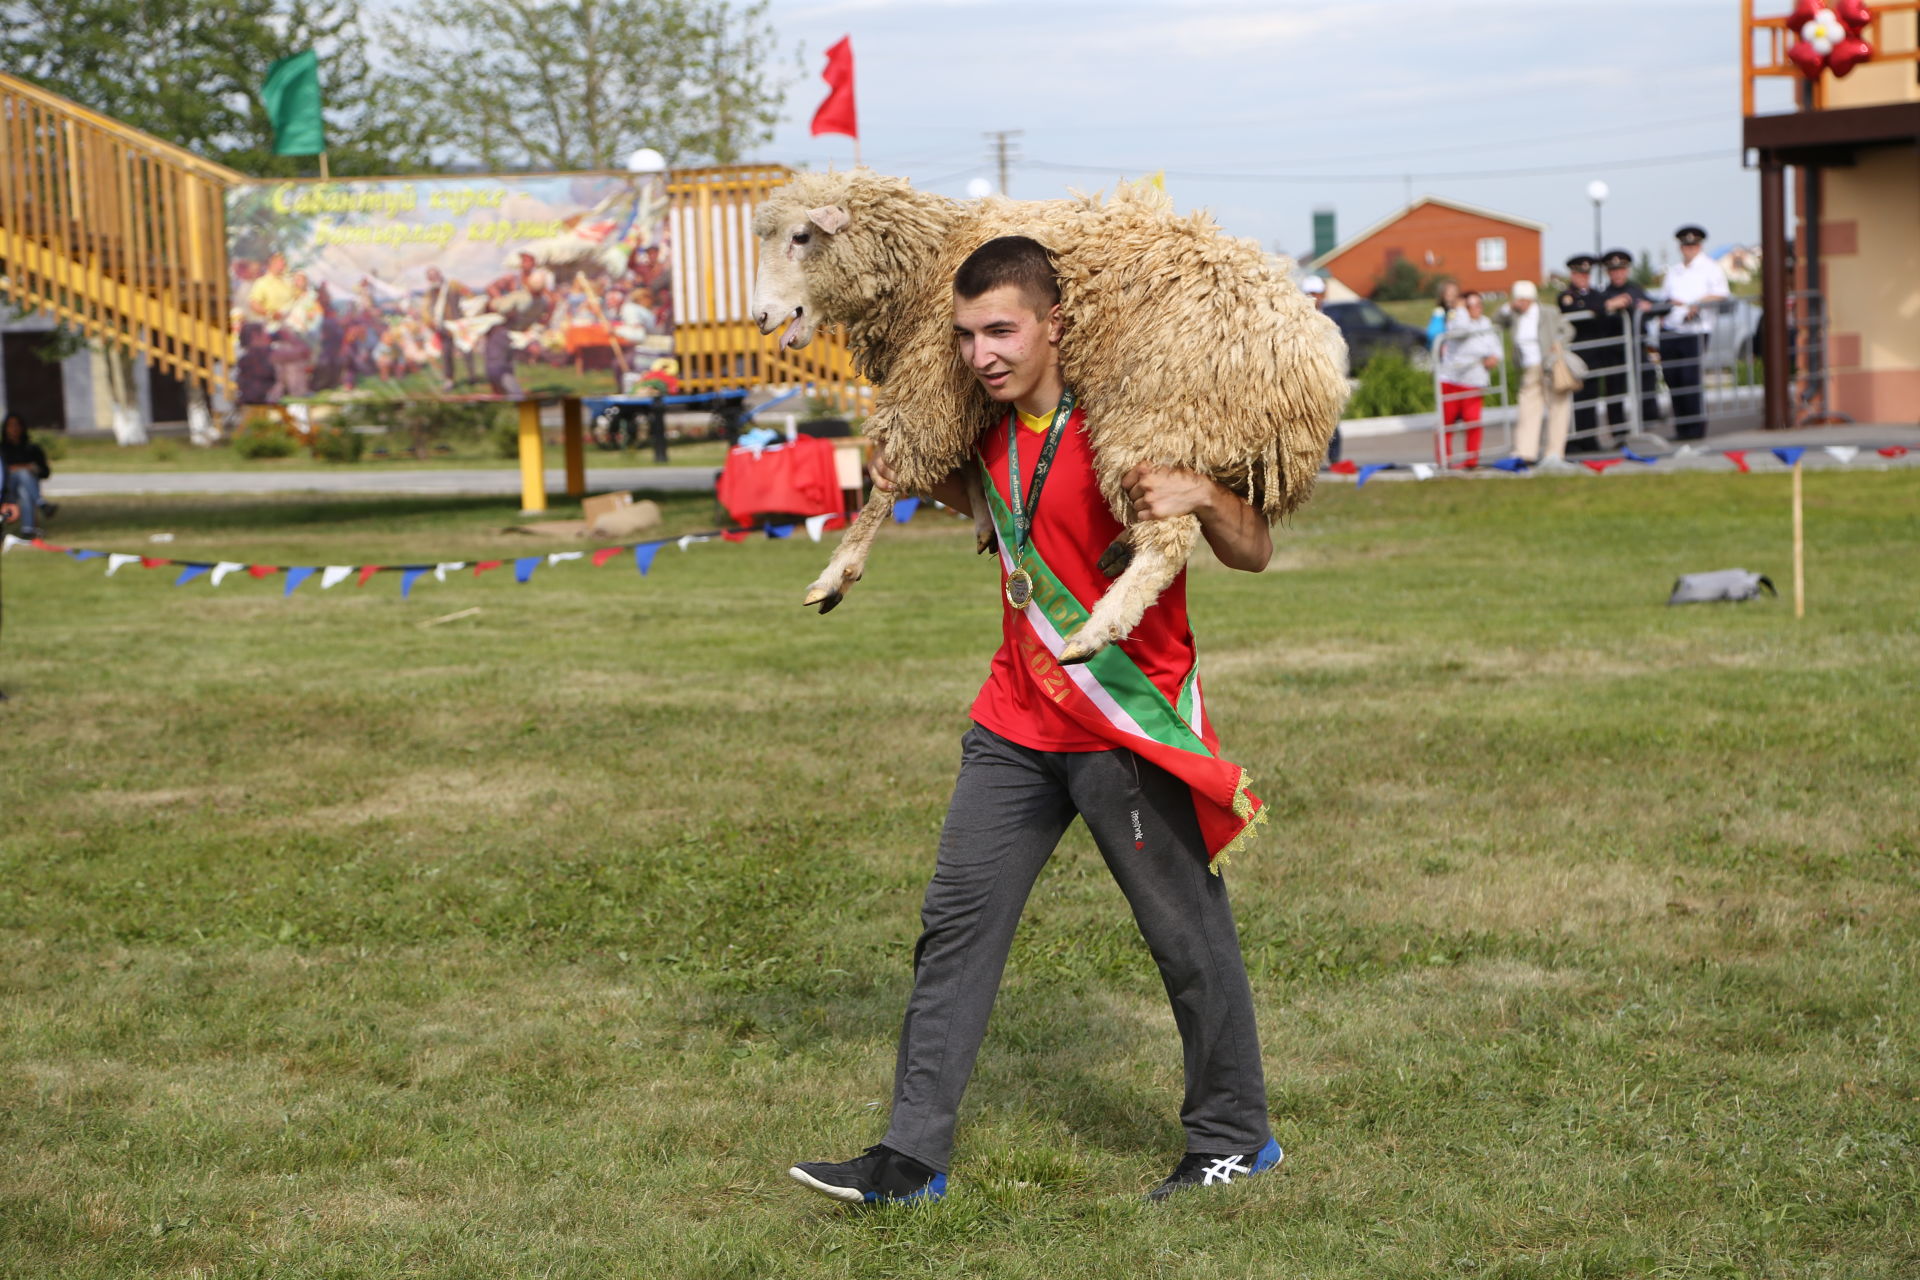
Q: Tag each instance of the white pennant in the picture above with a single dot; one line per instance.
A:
(555, 557)
(120, 560)
(224, 568)
(686, 540)
(815, 524)
(11, 543)
(440, 570)
(1842, 453)
(1422, 471)
(335, 574)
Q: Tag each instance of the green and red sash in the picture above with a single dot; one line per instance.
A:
(1113, 699)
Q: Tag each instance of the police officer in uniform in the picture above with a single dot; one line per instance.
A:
(1694, 284)
(1580, 303)
(1622, 306)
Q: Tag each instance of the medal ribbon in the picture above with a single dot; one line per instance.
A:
(1023, 508)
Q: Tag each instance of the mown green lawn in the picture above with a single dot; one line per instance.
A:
(539, 942)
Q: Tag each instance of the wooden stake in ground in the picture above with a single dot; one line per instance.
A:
(1799, 551)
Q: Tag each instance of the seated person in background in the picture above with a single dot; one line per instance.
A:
(26, 464)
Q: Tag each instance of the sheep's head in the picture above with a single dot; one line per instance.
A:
(790, 237)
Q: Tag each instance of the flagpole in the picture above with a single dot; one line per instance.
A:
(1799, 550)
(324, 176)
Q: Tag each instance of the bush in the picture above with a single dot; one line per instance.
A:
(54, 443)
(426, 424)
(1391, 386)
(265, 438)
(333, 443)
(504, 436)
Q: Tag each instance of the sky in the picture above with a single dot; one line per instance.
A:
(1264, 110)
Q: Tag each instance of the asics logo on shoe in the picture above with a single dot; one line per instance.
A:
(1223, 1169)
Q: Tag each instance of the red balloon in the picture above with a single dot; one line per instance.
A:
(1808, 59)
(1848, 54)
(1854, 16)
(1803, 14)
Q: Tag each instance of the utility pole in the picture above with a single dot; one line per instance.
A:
(1003, 152)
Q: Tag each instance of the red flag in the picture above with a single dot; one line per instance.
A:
(1738, 457)
(262, 570)
(367, 571)
(836, 114)
(605, 554)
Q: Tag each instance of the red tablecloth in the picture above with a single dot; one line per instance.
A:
(790, 478)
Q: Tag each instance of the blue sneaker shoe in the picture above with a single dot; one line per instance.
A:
(1195, 1170)
(879, 1175)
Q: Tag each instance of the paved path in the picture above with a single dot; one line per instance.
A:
(371, 480)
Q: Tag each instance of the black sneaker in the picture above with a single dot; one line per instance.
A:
(1217, 1171)
(48, 510)
(878, 1175)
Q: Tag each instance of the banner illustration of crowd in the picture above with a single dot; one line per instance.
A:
(468, 286)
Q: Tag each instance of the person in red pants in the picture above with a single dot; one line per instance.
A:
(1469, 352)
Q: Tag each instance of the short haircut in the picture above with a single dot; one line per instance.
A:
(1010, 260)
(1471, 293)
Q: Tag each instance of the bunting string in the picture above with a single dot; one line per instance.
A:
(1842, 454)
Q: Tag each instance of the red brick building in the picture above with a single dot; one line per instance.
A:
(1479, 248)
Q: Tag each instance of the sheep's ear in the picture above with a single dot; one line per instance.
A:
(829, 218)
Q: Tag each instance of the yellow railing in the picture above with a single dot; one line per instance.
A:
(118, 235)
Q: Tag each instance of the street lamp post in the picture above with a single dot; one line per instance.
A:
(1597, 192)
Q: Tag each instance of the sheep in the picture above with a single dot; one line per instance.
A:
(1188, 348)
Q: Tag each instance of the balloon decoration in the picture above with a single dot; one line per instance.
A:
(1828, 37)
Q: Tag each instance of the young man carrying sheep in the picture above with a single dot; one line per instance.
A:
(1040, 752)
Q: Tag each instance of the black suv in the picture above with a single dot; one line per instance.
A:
(1368, 329)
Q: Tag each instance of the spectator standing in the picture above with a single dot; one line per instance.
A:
(26, 465)
(1623, 304)
(1446, 302)
(1469, 352)
(1580, 304)
(1540, 337)
(1693, 284)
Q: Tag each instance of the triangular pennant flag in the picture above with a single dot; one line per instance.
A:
(555, 557)
(1738, 457)
(485, 565)
(297, 574)
(335, 574)
(1344, 467)
(191, 572)
(1789, 454)
(1842, 453)
(366, 573)
(154, 562)
(1367, 472)
(12, 542)
(1631, 456)
(224, 568)
(1515, 465)
(643, 556)
(779, 531)
(815, 524)
(605, 554)
(687, 540)
(735, 535)
(903, 509)
(262, 570)
(1423, 471)
(441, 570)
(44, 545)
(118, 561)
(523, 568)
(79, 553)
(1600, 465)
(1892, 451)
(410, 575)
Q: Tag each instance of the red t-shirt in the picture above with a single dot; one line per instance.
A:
(1072, 527)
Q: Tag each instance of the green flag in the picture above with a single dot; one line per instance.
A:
(292, 98)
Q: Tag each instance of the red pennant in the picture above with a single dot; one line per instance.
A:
(367, 571)
(1600, 465)
(836, 114)
(1893, 451)
(735, 535)
(1738, 457)
(605, 554)
(485, 565)
(44, 545)
(1344, 467)
(262, 570)
(150, 562)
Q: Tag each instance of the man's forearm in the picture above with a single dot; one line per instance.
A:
(1235, 531)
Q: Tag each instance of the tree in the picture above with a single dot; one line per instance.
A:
(578, 84)
(190, 71)
(1400, 282)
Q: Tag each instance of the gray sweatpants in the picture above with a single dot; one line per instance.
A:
(1010, 807)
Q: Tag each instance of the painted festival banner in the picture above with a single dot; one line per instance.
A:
(456, 285)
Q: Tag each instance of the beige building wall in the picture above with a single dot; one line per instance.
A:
(1873, 84)
(1870, 247)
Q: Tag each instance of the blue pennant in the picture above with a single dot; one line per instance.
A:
(1631, 456)
(903, 509)
(1366, 472)
(297, 574)
(779, 531)
(1515, 465)
(523, 567)
(409, 575)
(191, 572)
(78, 554)
(643, 556)
(1789, 454)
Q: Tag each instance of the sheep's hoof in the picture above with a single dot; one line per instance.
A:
(824, 596)
(1077, 650)
(986, 544)
(1115, 559)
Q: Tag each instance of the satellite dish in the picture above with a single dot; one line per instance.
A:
(979, 189)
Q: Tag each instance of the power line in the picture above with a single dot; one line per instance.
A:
(1529, 171)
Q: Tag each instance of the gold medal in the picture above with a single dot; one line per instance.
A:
(1019, 588)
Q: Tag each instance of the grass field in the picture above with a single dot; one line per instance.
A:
(538, 943)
